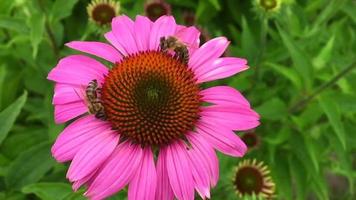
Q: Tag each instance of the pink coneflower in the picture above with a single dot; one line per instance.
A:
(157, 8)
(142, 122)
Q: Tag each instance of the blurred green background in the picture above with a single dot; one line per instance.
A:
(301, 81)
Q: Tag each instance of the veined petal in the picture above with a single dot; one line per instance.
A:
(142, 29)
(179, 171)
(123, 30)
(190, 37)
(200, 171)
(220, 68)
(78, 70)
(203, 149)
(222, 138)
(163, 26)
(88, 178)
(208, 52)
(109, 36)
(116, 172)
(223, 95)
(99, 49)
(66, 112)
(164, 189)
(92, 155)
(68, 93)
(244, 118)
(143, 185)
(74, 136)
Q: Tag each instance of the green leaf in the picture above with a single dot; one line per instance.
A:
(216, 4)
(272, 109)
(301, 61)
(332, 111)
(324, 55)
(62, 9)
(29, 166)
(248, 42)
(48, 191)
(287, 72)
(9, 115)
(14, 24)
(37, 23)
(2, 80)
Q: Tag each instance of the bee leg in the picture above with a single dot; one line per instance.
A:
(182, 54)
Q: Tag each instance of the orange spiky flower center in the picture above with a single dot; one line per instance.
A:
(151, 98)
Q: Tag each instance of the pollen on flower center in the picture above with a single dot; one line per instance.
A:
(151, 98)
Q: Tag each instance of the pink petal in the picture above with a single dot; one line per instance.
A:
(109, 36)
(77, 184)
(143, 185)
(210, 51)
(78, 70)
(235, 117)
(92, 155)
(67, 93)
(203, 149)
(117, 172)
(223, 95)
(142, 29)
(123, 29)
(220, 68)
(164, 189)
(99, 49)
(179, 171)
(66, 112)
(222, 138)
(163, 26)
(74, 136)
(190, 37)
(201, 173)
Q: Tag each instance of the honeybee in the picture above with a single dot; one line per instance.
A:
(94, 104)
(173, 44)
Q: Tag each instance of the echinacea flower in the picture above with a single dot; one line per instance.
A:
(252, 178)
(101, 12)
(157, 8)
(142, 122)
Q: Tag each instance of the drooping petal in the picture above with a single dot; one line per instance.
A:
(179, 171)
(123, 30)
(222, 138)
(143, 185)
(88, 178)
(117, 172)
(223, 95)
(66, 112)
(164, 189)
(220, 68)
(92, 155)
(99, 49)
(235, 117)
(201, 173)
(77, 134)
(78, 70)
(208, 52)
(204, 150)
(163, 26)
(142, 30)
(67, 93)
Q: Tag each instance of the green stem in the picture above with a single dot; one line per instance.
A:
(263, 39)
(303, 102)
(49, 31)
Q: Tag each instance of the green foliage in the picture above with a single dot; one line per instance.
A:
(301, 81)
